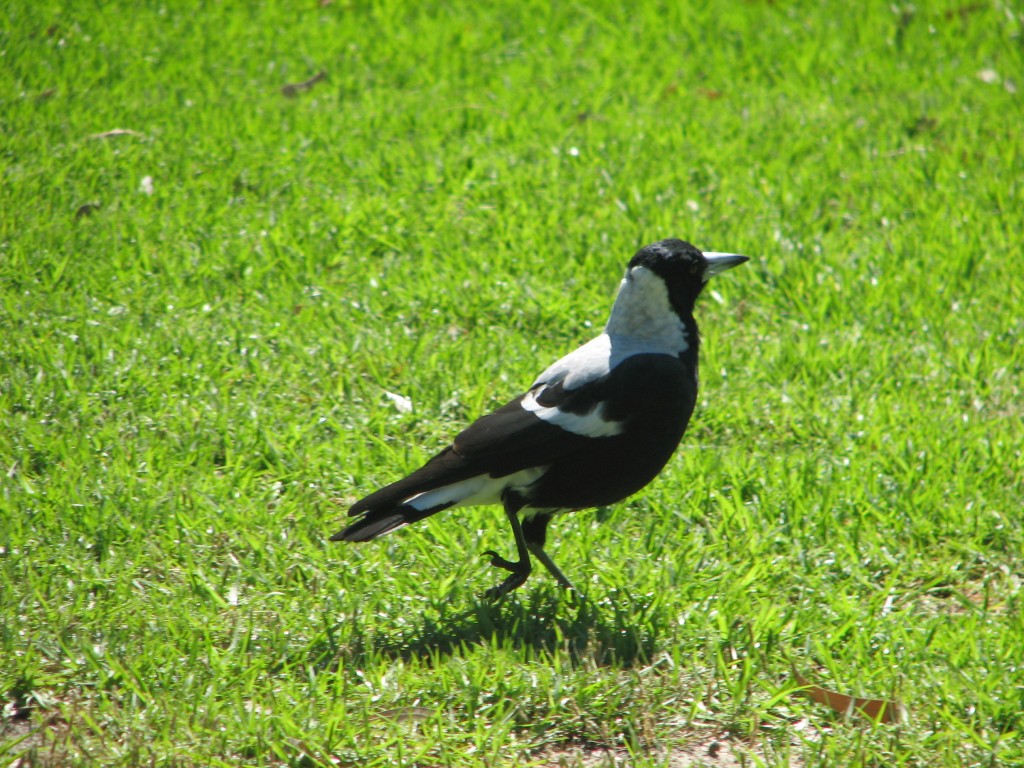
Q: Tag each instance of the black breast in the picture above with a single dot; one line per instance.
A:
(653, 395)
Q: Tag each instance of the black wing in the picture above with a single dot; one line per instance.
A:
(650, 395)
(500, 443)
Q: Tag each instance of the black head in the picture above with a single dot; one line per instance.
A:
(684, 269)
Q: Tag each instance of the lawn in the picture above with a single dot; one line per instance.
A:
(219, 269)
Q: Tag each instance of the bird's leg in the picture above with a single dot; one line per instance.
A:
(518, 571)
(538, 551)
(535, 529)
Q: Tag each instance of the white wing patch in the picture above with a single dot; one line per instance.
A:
(594, 360)
(590, 424)
(581, 366)
(473, 491)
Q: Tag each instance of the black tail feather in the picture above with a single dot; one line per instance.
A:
(377, 522)
(445, 468)
(385, 510)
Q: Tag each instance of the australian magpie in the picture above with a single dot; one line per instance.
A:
(594, 428)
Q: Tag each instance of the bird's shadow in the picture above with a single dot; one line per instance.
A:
(610, 631)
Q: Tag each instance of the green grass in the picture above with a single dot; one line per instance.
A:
(192, 380)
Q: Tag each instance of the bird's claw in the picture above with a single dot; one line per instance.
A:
(500, 562)
(515, 580)
(518, 573)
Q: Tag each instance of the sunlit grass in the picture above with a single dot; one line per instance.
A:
(200, 318)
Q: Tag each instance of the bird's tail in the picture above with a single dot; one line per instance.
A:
(422, 494)
(377, 522)
(447, 480)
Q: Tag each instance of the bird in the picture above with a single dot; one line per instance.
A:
(593, 429)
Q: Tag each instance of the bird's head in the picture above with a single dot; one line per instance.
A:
(683, 269)
(662, 283)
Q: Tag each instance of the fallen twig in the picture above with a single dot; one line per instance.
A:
(294, 89)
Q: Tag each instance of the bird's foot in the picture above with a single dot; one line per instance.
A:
(500, 562)
(518, 573)
(514, 581)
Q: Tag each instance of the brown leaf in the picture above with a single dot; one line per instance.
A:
(877, 710)
(294, 89)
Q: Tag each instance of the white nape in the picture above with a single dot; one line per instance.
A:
(642, 311)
